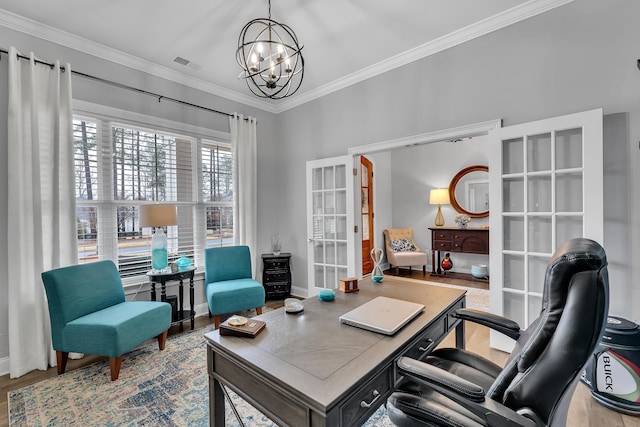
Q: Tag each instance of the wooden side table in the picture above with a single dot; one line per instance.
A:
(163, 278)
(457, 240)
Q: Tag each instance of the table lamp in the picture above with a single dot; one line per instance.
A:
(439, 196)
(158, 216)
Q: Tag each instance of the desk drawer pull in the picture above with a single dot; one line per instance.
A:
(376, 396)
(427, 348)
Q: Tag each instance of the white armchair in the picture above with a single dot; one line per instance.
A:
(402, 250)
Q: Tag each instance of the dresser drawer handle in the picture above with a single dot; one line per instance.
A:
(428, 347)
(442, 244)
(376, 396)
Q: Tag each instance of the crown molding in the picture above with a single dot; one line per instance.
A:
(460, 132)
(470, 32)
(480, 28)
(63, 38)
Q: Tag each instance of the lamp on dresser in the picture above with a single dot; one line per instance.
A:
(439, 196)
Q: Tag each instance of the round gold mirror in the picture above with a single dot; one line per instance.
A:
(469, 191)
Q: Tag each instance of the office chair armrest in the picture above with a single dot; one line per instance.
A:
(467, 394)
(493, 321)
(431, 374)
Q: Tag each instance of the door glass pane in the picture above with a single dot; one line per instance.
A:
(341, 254)
(341, 202)
(539, 194)
(329, 203)
(539, 152)
(330, 228)
(513, 232)
(341, 228)
(328, 178)
(316, 178)
(319, 276)
(514, 307)
(330, 277)
(342, 274)
(513, 195)
(330, 252)
(535, 305)
(513, 277)
(512, 156)
(537, 269)
(341, 176)
(569, 148)
(318, 252)
(317, 203)
(569, 192)
(568, 227)
(318, 233)
(539, 233)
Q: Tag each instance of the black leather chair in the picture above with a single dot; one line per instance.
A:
(453, 387)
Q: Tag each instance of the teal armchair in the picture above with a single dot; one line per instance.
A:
(89, 314)
(229, 284)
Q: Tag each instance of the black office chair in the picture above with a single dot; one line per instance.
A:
(536, 385)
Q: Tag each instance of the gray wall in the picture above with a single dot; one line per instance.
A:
(577, 57)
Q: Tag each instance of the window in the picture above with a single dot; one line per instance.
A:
(119, 167)
(217, 193)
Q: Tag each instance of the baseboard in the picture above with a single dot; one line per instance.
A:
(4, 366)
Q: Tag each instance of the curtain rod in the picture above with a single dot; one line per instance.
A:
(123, 86)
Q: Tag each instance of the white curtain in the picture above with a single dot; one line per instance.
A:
(244, 149)
(41, 200)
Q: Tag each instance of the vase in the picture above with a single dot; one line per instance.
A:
(159, 255)
(376, 256)
(276, 244)
(446, 263)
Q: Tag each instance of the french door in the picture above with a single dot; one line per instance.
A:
(330, 222)
(546, 187)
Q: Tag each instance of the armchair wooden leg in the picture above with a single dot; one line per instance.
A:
(216, 321)
(162, 340)
(61, 358)
(115, 363)
(424, 270)
(258, 310)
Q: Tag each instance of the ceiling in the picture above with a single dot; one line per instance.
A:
(344, 41)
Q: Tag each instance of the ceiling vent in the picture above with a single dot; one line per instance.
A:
(181, 61)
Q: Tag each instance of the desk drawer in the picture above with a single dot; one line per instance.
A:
(373, 394)
(441, 245)
(441, 234)
(428, 340)
(451, 320)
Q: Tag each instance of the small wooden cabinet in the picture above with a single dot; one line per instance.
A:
(276, 275)
(461, 240)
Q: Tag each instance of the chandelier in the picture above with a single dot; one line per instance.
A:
(270, 57)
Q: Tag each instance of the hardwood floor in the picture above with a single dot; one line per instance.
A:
(584, 410)
(450, 278)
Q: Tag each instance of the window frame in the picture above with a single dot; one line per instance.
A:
(106, 204)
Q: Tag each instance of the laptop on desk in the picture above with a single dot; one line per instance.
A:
(382, 315)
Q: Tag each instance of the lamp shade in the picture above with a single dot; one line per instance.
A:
(158, 215)
(439, 196)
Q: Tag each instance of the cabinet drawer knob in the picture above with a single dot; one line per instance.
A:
(376, 396)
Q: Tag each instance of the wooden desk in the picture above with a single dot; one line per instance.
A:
(460, 240)
(308, 369)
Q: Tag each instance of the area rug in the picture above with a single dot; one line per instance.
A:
(155, 388)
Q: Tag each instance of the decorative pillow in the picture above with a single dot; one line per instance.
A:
(403, 245)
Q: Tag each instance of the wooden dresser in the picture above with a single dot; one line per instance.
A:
(460, 240)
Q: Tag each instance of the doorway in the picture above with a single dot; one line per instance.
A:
(366, 210)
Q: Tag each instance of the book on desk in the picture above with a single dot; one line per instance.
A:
(249, 330)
